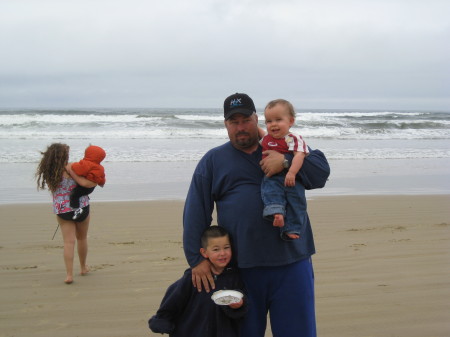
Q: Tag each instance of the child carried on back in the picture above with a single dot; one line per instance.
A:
(90, 168)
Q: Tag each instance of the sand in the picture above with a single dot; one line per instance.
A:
(381, 268)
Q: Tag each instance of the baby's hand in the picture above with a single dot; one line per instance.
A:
(236, 305)
(290, 179)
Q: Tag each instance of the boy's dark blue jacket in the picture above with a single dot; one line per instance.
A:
(186, 312)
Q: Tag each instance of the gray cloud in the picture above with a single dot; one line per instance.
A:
(321, 54)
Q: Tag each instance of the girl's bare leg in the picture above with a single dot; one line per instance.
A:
(82, 244)
(68, 230)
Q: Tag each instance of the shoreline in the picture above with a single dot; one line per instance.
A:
(310, 198)
(379, 267)
(170, 180)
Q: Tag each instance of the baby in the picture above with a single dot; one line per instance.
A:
(90, 168)
(284, 200)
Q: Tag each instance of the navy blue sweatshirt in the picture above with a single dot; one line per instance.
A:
(231, 179)
(186, 312)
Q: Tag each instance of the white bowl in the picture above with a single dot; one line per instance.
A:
(226, 297)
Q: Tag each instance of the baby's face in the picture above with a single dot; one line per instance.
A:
(219, 251)
(278, 121)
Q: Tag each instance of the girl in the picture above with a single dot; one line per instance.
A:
(54, 173)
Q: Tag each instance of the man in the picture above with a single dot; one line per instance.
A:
(278, 275)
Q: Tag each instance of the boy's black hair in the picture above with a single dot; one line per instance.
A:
(212, 232)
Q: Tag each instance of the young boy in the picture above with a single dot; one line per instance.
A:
(284, 200)
(90, 168)
(186, 312)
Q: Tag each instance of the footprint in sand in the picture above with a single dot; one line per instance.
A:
(52, 247)
(100, 266)
(18, 268)
(169, 258)
(32, 308)
(357, 246)
(399, 240)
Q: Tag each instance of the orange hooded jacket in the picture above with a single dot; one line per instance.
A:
(89, 167)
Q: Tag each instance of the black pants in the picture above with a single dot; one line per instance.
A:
(77, 193)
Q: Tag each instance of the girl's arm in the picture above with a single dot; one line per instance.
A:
(82, 181)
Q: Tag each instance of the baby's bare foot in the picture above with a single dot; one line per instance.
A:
(278, 220)
(68, 280)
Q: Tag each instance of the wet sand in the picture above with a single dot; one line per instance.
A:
(381, 268)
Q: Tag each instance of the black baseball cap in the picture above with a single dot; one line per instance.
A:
(238, 104)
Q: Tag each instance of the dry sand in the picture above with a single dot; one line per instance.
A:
(382, 268)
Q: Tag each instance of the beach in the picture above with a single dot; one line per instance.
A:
(381, 267)
(381, 224)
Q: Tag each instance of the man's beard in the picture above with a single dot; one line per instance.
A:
(245, 143)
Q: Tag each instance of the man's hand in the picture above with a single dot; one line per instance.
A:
(202, 273)
(273, 163)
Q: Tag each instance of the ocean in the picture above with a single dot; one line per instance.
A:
(151, 153)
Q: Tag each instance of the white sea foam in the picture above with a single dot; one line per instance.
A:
(217, 118)
(155, 135)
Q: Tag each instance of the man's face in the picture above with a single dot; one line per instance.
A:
(243, 131)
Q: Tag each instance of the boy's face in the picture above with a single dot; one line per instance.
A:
(278, 121)
(218, 251)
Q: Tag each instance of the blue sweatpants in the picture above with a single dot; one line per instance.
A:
(287, 293)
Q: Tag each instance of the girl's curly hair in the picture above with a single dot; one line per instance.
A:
(51, 168)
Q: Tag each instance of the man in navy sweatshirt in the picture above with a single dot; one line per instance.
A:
(278, 275)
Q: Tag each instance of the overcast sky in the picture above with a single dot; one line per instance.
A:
(343, 54)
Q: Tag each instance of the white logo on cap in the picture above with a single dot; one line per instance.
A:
(236, 102)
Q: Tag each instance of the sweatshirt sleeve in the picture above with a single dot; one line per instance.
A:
(197, 215)
(236, 313)
(238, 285)
(172, 305)
(81, 168)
